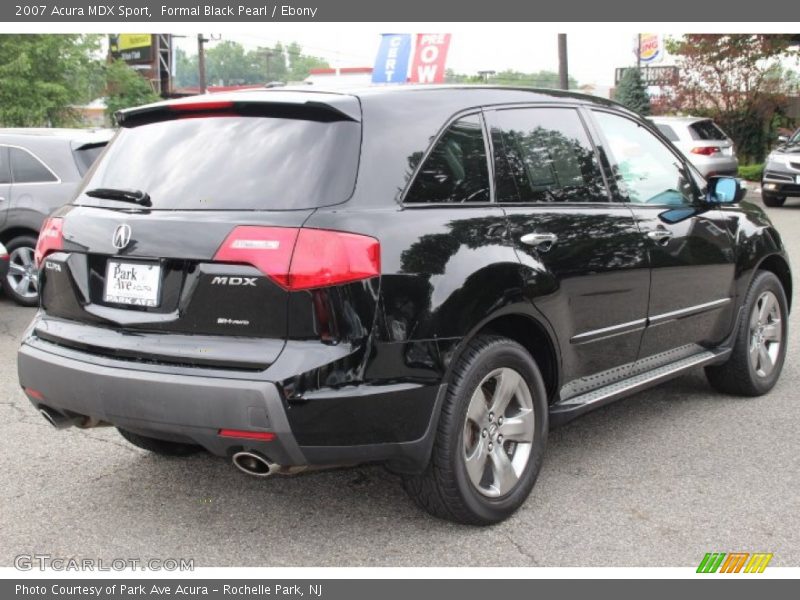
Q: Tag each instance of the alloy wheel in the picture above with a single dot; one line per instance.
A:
(22, 275)
(498, 432)
(766, 334)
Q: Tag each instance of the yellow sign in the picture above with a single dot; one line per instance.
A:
(127, 41)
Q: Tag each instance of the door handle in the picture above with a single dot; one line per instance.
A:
(544, 240)
(661, 236)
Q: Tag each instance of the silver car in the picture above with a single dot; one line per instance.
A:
(39, 171)
(702, 141)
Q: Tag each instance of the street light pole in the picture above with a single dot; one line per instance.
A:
(563, 69)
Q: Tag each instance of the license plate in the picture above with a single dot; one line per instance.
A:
(136, 284)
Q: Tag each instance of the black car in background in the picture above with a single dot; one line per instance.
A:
(424, 277)
(39, 171)
(781, 177)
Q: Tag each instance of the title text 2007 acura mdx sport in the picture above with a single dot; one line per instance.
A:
(424, 277)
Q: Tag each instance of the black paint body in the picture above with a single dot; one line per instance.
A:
(361, 367)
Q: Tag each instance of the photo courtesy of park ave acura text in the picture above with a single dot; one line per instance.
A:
(280, 289)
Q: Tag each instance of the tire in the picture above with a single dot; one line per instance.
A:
(21, 287)
(156, 446)
(773, 201)
(446, 488)
(743, 375)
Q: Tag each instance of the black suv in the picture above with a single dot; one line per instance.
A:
(425, 277)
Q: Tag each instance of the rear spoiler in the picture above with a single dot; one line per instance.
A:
(286, 106)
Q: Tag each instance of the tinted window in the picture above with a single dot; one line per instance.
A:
(456, 169)
(5, 170)
(544, 155)
(668, 131)
(706, 130)
(86, 155)
(646, 171)
(26, 168)
(232, 162)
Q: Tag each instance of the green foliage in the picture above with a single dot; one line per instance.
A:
(632, 92)
(751, 172)
(126, 88)
(737, 80)
(42, 76)
(540, 79)
(228, 63)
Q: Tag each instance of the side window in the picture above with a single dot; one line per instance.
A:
(5, 170)
(544, 155)
(455, 170)
(26, 168)
(646, 171)
(668, 131)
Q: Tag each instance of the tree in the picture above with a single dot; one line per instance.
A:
(126, 88)
(44, 75)
(228, 63)
(732, 79)
(539, 79)
(632, 92)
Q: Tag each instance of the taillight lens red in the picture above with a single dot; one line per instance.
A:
(302, 259)
(51, 239)
(706, 150)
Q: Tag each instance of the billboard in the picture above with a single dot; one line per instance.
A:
(131, 47)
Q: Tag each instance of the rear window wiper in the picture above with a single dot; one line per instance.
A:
(134, 196)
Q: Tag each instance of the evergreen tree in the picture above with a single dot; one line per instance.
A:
(632, 92)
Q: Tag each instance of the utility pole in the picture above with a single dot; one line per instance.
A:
(563, 69)
(201, 61)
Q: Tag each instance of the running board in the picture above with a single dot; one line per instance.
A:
(565, 410)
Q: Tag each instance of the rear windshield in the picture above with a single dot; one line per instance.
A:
(706, 130)
(668, 131)
(86, 155)
(231, 163)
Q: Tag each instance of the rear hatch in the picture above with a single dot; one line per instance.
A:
(709, 140)
(177, 248)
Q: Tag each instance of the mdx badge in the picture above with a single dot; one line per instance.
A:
(122, 236)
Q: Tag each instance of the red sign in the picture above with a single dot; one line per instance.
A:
(430, 57)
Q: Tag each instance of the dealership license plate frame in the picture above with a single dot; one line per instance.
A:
(147, 301)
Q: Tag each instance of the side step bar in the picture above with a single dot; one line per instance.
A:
(565, 410)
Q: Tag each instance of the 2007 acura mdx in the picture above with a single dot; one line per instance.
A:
(427, 277)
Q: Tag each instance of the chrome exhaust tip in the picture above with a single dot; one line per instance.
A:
(56, 419)
(254, 464)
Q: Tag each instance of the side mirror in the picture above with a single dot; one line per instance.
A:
(782, 139)
(725, 190)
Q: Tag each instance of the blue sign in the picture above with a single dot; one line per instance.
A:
(391, 64)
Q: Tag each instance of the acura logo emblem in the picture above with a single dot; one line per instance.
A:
(122, 235)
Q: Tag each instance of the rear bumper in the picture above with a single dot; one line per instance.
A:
(727, 165)
(172, 407)
(194, 407)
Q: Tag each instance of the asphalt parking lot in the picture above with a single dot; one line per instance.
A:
(658, 479)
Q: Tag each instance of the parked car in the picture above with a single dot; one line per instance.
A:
(39, 171)
(3, 261)
(703, 142)
(781, 177)
(424, 277)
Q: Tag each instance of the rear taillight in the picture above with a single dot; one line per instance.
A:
(50, 239)
(302, 259)
(706, 150)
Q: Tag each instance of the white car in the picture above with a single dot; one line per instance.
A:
(702, 141)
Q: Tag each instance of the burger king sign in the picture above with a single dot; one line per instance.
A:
(650, 48)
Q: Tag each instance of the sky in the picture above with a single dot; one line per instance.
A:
(521, 47)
